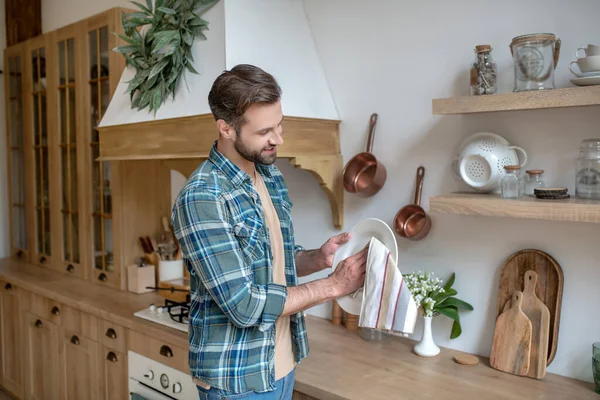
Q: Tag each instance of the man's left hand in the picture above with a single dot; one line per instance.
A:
(328, 249)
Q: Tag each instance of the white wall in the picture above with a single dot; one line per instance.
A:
(4, 200)
(393, 58)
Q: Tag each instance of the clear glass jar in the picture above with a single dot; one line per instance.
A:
(534, 179)
(535, 57)
(511, 182)
(587, 184)
(483, 72)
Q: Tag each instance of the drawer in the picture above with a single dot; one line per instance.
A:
(74, 320)
(157, 350)
(7, 287)
(45, 308)
(112, 336)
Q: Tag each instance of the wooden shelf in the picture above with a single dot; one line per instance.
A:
(532, 100)
(490, 205)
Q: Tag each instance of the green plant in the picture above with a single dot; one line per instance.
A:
(435, 299)
(160, 55)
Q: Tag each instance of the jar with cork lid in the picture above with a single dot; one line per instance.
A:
(483, 71)
(511, 182)
(533, 180)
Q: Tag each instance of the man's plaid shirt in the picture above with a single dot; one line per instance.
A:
(219, 223)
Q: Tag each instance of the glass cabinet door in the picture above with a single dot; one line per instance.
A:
(102, 221)
(67, 147)
(16, 145)
(37, 57)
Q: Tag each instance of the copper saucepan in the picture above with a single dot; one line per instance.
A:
(363, 175)
(412, 222)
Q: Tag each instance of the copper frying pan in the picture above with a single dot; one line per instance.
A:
(412, 222)
(363, 175)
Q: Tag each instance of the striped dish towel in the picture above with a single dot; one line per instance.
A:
(387, 303)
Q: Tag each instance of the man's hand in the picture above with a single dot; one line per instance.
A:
(311, 261)
(328, 249)
(347, 278)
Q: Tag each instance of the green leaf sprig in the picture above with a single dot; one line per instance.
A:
(161, 54)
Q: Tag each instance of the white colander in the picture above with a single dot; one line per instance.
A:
(483, 155)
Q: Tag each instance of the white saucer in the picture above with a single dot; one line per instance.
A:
(586, 81)
(361, 236)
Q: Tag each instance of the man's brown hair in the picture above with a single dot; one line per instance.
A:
(234, 91)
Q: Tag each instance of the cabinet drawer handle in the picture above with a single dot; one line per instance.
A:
(8, 287)
(70, 268)
(111, 333)
(112, 357)
(42, 260)
(102, 277)
(55, 311)
(38, 324)
(166, 351)
(20, 254)
(75, 340)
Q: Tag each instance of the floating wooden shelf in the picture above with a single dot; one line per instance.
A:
(490, 205)
(532, 100)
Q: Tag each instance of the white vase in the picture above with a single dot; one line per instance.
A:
(427, 347)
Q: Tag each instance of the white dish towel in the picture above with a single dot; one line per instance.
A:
(387, 303)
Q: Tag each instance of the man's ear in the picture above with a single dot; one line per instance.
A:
(225, 129)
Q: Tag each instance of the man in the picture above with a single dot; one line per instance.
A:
(233, 222)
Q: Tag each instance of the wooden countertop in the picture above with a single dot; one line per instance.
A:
(340, 365)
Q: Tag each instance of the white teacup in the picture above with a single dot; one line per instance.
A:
(590, 50)
(586, 65)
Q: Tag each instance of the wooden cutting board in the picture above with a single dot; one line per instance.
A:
(537, 312)
(549, 286)
(511, 346)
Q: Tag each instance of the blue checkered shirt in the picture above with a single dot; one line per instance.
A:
(219, 222)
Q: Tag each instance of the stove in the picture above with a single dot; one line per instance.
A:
(172, 314)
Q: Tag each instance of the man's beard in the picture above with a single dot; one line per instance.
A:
(254, 156)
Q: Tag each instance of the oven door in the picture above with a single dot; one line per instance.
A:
(139, 391)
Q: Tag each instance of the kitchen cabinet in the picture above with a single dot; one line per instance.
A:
(42, 368)
(113, 374)
(79, 374)
(64, 126)
(18, 165)
(36, 128)
(10, 339)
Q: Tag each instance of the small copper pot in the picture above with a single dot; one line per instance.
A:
(412, 222)
(363, 175)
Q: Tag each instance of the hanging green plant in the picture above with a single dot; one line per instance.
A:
(160, 55)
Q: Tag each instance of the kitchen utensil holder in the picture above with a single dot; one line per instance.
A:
(170, 269)
(140, 277)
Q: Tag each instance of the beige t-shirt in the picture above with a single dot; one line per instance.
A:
(284, 355)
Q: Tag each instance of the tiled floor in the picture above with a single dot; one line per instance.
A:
(4, 396)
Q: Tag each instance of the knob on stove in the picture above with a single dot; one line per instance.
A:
(149, 374)
(177, 387)
(152, 307)
(159, 310)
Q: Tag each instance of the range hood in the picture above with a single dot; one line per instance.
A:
(271, 34)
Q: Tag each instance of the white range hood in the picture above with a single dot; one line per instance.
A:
(271, 34)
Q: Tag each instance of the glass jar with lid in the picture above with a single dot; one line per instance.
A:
(534, 179)
(483, 71)
(587, 183)
(511, 182)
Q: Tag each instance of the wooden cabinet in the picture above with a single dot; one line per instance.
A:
(79, 374)
(18, 164)
(113, 374)
(42, 372)
(64, 120)
(102, 69)
(10, 340)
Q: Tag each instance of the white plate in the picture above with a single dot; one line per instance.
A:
(586, 81)
(361, 236)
